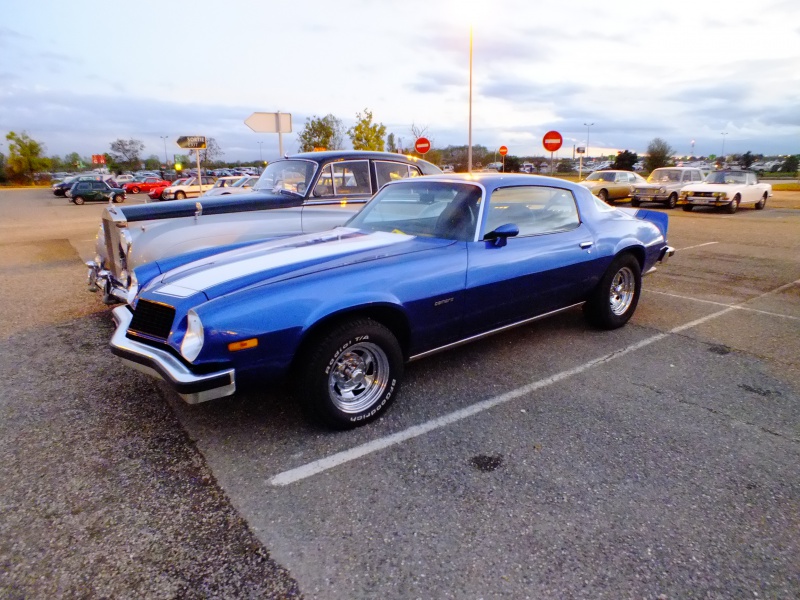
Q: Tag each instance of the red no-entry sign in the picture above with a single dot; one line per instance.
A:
(503, 150)
(422, 145)
(552, 141)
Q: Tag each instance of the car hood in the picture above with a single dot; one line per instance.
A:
(711, 187)
(655, 186)
(277, 260)
(213, 205)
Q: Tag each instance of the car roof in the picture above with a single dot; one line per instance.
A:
(333, 155)
(492, 181)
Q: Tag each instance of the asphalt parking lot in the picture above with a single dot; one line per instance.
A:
(555, 461)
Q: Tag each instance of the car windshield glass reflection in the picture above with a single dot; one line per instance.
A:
(664, 175)
(601, 176)
(287, 175)
(425, 208)
(723, 177)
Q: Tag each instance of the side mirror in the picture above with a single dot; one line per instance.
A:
(499, 237)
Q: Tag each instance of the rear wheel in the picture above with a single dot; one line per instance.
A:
(118, 198)
(614, 300)
(731, 208)
(688, 207)
(78, 200)
(762, 203)
(635, 202)
(672, 200)
(350, 374)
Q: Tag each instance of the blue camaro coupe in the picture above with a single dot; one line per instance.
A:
(429, 263)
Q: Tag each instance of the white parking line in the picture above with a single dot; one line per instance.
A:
(334, 460)
(697, 246)
(734, 306)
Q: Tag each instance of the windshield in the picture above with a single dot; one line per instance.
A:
(664, 175)
(726, 177)
(601, 176)
(424, 208)
(291, 175)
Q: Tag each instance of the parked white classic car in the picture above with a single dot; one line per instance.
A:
(237, 184)
(305, 193)
(664, 185)
(728, 190)
(188, 189)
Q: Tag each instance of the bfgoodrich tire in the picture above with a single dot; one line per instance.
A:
(351, 374)
(614, 300)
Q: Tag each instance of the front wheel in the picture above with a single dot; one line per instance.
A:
(688, 207)
(78, 200)
(614, 300)
(635, 202)
(351, 374)
(180, 195)
(672, 200)
(731, 208)
(134, 190)
(603, 195)
(762, 203)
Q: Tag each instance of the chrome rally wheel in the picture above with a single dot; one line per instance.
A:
(358, 378)
(613, 302)
(623, 290)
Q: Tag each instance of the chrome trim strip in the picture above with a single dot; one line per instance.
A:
(158, 363)
(492, 332)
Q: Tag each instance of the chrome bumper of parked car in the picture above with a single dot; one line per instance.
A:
(666, 253)
(193, 388)
(99, 279)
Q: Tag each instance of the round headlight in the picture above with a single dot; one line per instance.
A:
(193, 340)
(661, 190)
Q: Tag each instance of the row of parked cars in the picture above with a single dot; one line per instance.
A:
(340, 267)
(682, 186)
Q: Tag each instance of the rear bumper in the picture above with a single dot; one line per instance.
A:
(192, 387)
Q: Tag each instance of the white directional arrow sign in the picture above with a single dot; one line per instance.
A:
(264, 122)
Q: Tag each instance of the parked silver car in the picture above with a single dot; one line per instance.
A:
(304, 193)
(664, 185)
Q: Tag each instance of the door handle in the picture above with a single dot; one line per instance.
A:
(585, 245)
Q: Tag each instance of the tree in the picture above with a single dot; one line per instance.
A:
(365, 134)
(73, 161)
(746, 159)
(325, 132)
(152, 163)
(391, 146)
(512, 164)
(659, 154)
(24, 157)
(790, 164)
(211, 153)
(126, 153)
(625, 160)
(3, 177)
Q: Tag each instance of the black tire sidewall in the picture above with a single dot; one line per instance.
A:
(597, 308)
(314, 367)
(77, 199)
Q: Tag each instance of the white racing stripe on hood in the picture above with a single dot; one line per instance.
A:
(184, 287)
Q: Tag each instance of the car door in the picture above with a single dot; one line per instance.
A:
(338, 192)
(546, 267)
(99, 189)
(84, 189)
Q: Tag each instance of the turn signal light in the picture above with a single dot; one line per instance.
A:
(243, 345)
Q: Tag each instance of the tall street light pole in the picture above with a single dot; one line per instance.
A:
(260, 153)
(166, 160)
(724, 133)
(469, 148)
(587, 125)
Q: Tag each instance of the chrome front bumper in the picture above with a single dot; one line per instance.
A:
(99, 278)
(193, 388)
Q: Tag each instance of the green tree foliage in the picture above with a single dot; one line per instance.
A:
(152, 163)
(659, 154)
(746, 159)
(24, 157)
(391, 145)
(512, 164)
(73, 161)
(126, 153)
(564, 166)
(321, 132)
(365, 134)
(625, 160)
(791, 164)
(3, 176)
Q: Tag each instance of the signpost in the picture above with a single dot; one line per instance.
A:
(277, 122)
(422, 145)
(580, 150)
(552, 141)
(503, 150)
(197, 143)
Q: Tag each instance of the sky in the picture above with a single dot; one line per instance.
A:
(705, 76)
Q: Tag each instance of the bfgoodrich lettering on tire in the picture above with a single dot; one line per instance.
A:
(350, 374)
(614, 300)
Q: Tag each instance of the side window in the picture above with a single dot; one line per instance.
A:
(84, 186)
(351, 178)
(98, 185)
(697, 176)
(389, 171)
(535, 210)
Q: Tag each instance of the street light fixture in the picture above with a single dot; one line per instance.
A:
(166, 160)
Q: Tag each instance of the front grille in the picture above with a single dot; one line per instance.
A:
(703, 194)
(152, 319)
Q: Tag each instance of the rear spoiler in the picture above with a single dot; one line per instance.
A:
(659, 219)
